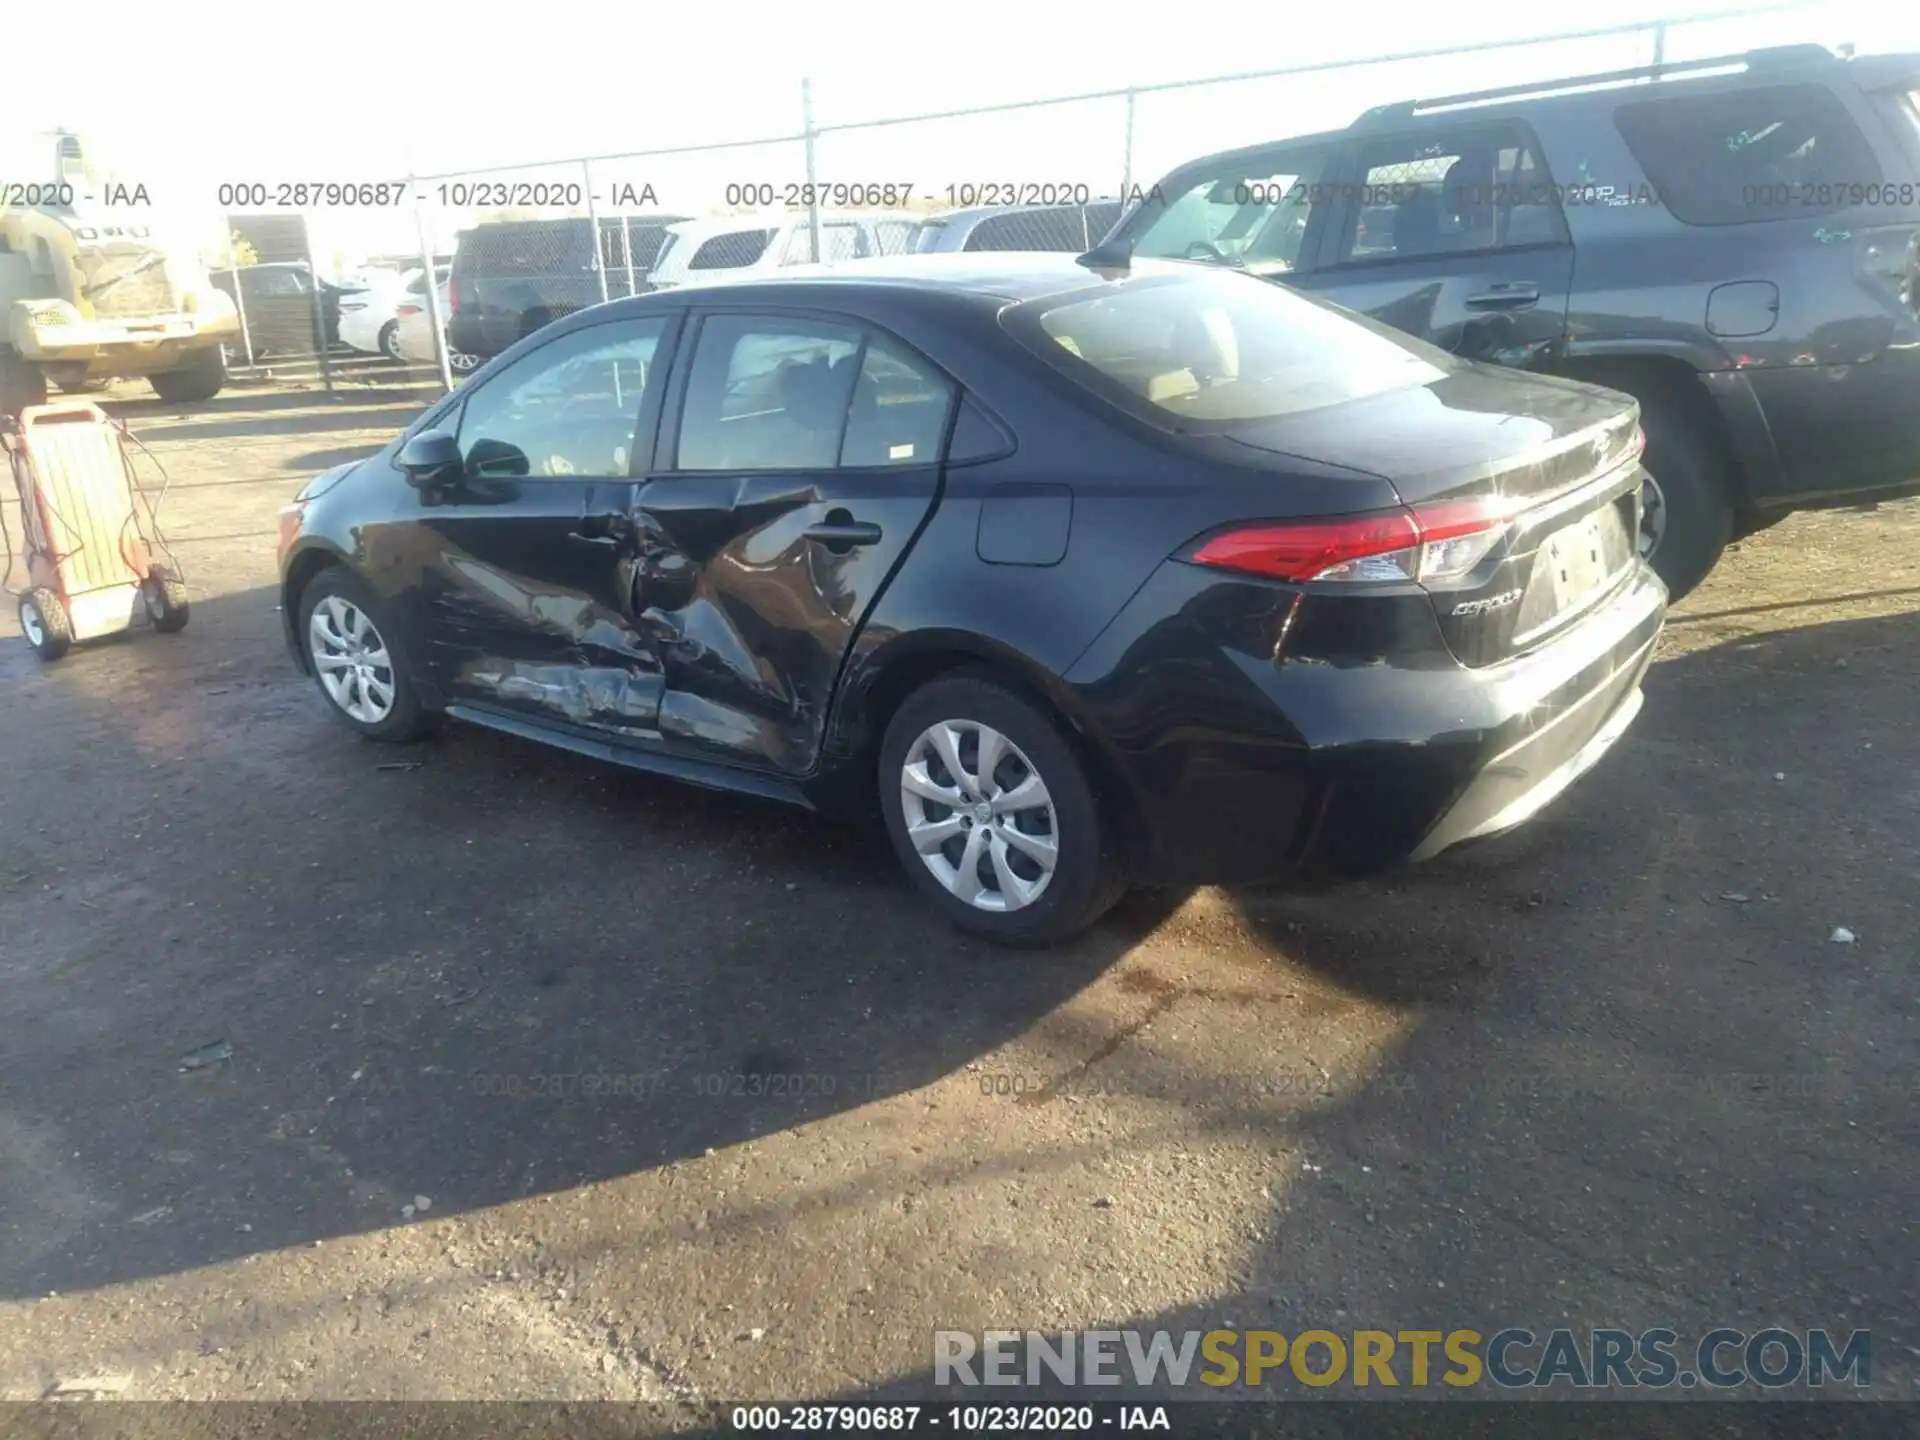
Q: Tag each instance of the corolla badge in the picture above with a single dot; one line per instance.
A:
(1490, 603)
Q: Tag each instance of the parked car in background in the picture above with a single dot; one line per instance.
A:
(370, 320)
(511, 277)
(743, 245)
(413, 333)
(278, 304)
(1019, 227)
(1737, 247)
(1191, 579)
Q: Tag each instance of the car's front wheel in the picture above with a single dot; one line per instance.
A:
(354, 654)
(995, 815)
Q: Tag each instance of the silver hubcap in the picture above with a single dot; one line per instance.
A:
(30, 624)
(390, 342)
(1653, 517)
(351, 660)
(979, 815)
(463, 362)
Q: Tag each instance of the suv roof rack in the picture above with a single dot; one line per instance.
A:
(1768, 58)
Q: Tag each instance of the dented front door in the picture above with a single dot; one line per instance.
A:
(527, 598)
(805, 460)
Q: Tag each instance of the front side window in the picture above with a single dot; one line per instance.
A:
(778, 394)
(1253, 215)
(1764, 153)
(569, 408)
(1217, 349)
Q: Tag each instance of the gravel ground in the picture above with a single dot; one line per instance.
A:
(506, 1112)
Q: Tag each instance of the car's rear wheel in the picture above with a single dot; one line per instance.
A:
(994, 814)
(1687, 506)
(354, 654)
(390, 341)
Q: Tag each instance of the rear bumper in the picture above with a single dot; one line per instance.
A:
(1238, 767)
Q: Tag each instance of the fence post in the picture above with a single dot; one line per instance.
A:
(435, 319)
(626, 248)
(813, 196)
(593, 224)
(1126, 164)
(239, 296)
(319, 309)
(1660, 43)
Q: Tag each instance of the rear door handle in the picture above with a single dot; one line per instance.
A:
(840, 532)
(1507, 295)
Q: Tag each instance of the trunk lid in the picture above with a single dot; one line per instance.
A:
(1558, 459)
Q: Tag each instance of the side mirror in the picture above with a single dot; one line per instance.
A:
(431, 460)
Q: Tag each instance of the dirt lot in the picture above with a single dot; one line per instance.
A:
(1608, 1071)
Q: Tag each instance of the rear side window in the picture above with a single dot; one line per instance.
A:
(731, 251)
(524, 248)
(1221, 348)
(1061, 228)
(1449, 194)
(1767, 153)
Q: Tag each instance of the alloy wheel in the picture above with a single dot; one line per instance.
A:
(979, 815)
(351, 660)
(1653, 517)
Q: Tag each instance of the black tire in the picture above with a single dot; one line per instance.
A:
(406, 719)
(1087, 877)
(166, 600)
(44, 615)
(202, 378)
(1695, 490)
(22, 383)
(389, 341)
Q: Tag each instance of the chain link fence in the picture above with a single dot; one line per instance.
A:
(513, 248)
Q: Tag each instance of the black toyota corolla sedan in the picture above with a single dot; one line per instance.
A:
(1075, 575)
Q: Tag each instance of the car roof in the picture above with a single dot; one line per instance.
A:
(991, 277)
(775, 219)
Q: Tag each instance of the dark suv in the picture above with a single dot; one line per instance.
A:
(1733, 242)
(511, 277)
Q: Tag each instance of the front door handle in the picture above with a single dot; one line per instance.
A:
(840, 532)
(1507, 295)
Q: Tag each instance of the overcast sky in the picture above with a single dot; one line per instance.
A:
(184, 94)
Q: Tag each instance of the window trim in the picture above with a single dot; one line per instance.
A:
(646, 416)
(1351, 174)
(666, 444)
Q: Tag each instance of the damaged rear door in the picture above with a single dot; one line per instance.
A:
(804, 460)
(528, 587)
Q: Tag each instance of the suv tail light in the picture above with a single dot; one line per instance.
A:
(453, 294)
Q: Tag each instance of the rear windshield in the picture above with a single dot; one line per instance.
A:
(531, 247)
(1217, 348)
(731, 251)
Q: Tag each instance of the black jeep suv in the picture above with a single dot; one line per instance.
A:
(511, 277)
(1733, 242)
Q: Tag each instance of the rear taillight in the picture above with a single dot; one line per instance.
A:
(453, 295)
(1441, 541)
(405, 310)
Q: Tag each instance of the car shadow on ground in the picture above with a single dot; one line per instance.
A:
(286, 981)
(1637, 1060)
(473, 969)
